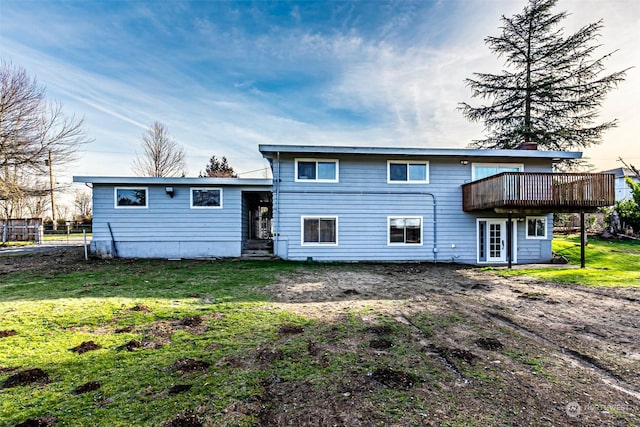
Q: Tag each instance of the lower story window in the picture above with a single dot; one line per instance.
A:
(320, 230)
(536, 227)
(405, 230)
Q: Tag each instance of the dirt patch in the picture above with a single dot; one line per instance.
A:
(184, 420)
(87, 387)
(26, 377)
(499, 343)
(190, 365)
(85, 347)
(124, 330)
(7, 333)
(380, 344)
(38, 422)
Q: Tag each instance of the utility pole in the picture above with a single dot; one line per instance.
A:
(53, 199)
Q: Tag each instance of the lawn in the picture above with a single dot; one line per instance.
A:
(272, 343)
(608, 263)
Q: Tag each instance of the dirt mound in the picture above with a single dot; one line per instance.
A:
(87, 387)
(184, 420)
(191, 321)
(179, 388)
(38, 422)
(380, 344)
(131, 345)
(269, 355)
(489, 343)
(7, 333)
(139, 308)
(28, 376)
(289, 329)
(395, 379)
(85, 347)
(190, 365)
(124, 329)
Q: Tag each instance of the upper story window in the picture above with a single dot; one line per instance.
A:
(483, 170)
(316, 170)
(206, 198)
(399, 172)
(131, 197)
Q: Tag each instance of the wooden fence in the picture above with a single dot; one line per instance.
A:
(21, 230)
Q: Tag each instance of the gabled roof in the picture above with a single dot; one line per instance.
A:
(271, 150)
(137, 180)
(621, 172)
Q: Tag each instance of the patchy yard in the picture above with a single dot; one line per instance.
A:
(282, 344)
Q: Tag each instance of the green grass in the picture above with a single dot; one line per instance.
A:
(240, 337)
(608, 263)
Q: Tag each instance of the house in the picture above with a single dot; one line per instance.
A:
(622, 189)
(329, 203)
(421, 204)
(176, 217)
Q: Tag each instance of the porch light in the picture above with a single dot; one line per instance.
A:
(169, 191)
(464, 162)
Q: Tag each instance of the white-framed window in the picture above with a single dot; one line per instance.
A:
(206, 198)
(131, 197)
(483, 170)
(536, 227)
(317, 170)
(405, 172)
(404, 230)
(319, 230)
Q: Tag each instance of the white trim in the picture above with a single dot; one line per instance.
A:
(115, 198)
(318, 217)
(408, 162)
(498, 165)
(204, 189)
(316, 161)
(526, 225)
(389, 218)
(514, 249)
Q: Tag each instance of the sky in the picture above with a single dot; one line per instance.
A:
(225, 76)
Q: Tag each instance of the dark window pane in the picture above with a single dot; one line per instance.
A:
(397, 172)
(209, 198)
(131, 197)
(306, 170)
(311, 230)
(327, 231)
(413, 234)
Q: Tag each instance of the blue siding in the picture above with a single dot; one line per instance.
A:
(168, 227)
(363, 200)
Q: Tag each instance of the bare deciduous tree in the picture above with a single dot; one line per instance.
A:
(83, 203)
(32, 131)
(161, 156)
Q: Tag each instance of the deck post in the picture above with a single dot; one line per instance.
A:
(509, 238)
(583, 239)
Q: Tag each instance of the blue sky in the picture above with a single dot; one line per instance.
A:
(225, 76)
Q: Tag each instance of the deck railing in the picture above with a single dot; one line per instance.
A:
(555, 192)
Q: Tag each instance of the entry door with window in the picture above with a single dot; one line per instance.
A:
(492, 241)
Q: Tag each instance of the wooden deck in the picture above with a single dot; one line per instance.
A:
(539, 192)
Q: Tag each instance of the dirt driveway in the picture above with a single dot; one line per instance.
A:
(569, 354)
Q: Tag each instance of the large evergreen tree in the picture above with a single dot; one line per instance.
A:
(552, 86)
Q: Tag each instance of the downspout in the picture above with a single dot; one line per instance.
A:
(435, 229)
(277, 208)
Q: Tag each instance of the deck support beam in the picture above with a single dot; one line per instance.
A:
(583, 239)
(510, 239)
